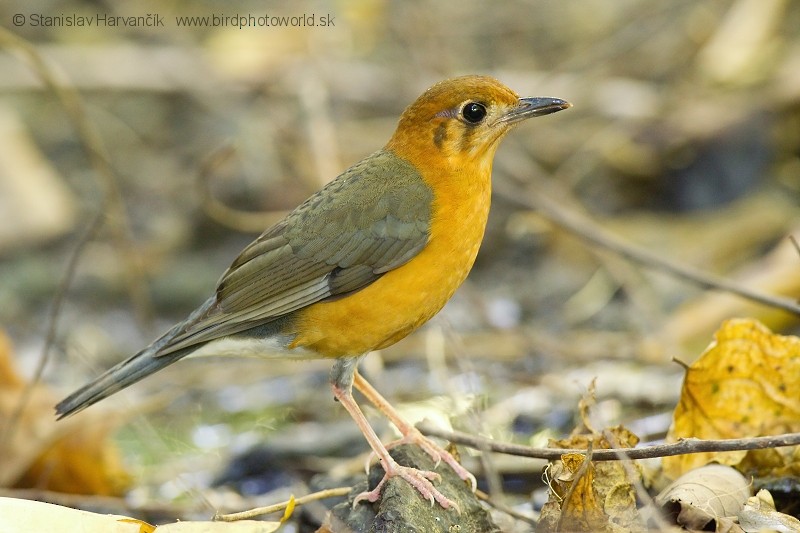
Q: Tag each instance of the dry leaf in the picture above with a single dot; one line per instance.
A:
(598, 497)
(728, 525)
(74, 455)
(32, 516)
(35, 204)
(582, 510)
(705, 494)
(144, 527)
(743, 385)
(242, 526)
(759, 514)
(83, 461)
(287, 513)
(27, 515)
(603, 498)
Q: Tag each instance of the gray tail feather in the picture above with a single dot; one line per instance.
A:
(131, 370)
(117, 378)
(151, 360)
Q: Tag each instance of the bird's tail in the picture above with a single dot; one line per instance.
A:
(128, 372)
(115, 379)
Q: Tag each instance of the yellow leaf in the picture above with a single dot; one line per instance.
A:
(27, 515)
(603, 498)
(620, 435)
(144, 527)
(744, 385)
(582, 511)
(75, 455)
(287, 514)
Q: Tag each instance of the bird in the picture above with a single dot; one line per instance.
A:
(359, 265)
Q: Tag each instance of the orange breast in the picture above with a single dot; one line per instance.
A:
(405, 298)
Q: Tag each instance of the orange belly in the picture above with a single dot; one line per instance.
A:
(403, 299)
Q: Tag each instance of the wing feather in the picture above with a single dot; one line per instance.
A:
(371, 219)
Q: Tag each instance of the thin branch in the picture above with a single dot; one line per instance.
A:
(258, 511)
(92, 143)
(7, 432)
(503, 508)
(636, 480)
(590, 231)
(794, 243)
(683, 446)
(243, 221)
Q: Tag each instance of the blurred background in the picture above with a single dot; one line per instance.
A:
(136, 162)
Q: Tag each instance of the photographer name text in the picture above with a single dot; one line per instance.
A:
(152, 20)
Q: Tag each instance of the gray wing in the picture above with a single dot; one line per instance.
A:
(371, 219)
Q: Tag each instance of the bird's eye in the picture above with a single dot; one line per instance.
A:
(473, 112)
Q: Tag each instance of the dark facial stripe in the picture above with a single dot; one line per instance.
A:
(440, 135)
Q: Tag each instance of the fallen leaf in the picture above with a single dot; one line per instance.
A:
(27, 515)
(242, 526)
(582, 510)
(599, 496)
(743, 385)
(728, 525)
(759, 514)
(144, 527)
(287, 513)
(603, 498)
(74, 455)
(704, 494)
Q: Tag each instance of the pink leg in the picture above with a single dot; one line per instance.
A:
(419, 479)
(411, 435)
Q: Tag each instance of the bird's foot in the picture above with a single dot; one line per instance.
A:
(436, 452)
(419, 479)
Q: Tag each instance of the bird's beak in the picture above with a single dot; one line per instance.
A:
(534, 107)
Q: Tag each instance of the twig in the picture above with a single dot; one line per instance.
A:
(683, 446)
(795, 244)
(587, 230)
(92, 144)
(7, 432)
(258, 511)
(243, 221)
(635, 479)
(503, 508)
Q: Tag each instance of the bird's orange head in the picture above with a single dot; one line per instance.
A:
(462, 120)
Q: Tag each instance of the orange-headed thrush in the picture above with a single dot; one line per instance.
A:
(362, 263)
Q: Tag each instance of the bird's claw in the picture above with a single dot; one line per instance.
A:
(419, 479)
(436, 452)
